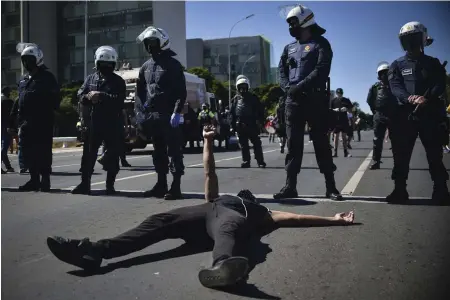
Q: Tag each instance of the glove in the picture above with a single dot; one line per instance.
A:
(336, 109)
(294, 91)
(175, 120)
(343, 109)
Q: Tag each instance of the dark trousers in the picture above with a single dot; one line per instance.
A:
(6, 141)
(36, 147)
(90, 150)
(250, 133)
(358, 130)
(316, 114)
(381, 124)
(403, 134)
(187, 223)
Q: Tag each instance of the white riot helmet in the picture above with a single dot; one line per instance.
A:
(412, 35)
(106, 54)
(241, 79)
(305, 18)
(155, 34)
(30, 49)
(382, 66)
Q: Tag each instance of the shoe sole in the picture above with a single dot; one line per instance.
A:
(231, 271)
(61, 253)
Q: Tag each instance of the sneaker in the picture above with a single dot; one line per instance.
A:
(225, 273)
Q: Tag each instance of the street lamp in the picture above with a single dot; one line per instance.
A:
(229, 53)
(249, 59)
(85, 36)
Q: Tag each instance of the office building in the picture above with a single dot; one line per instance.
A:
(59, 29)
(250, 56)
(274, 75)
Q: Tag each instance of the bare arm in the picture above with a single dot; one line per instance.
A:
(211, 180)
(286, 219)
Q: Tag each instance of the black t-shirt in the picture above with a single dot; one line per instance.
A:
(340, 103)
(242, 206)
(7, 105)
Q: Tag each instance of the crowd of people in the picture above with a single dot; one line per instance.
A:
(407, 100)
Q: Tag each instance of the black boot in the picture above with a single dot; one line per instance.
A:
(160, 188)
(289, 190)
(125, 163)
(245, 164)
(335, 153)
(81, 253)
(346, 154)
(226, 272)
(110, 180)
(332, 192)
(441, 194)
(375, 165)
(84, 188)
(175, 189)
(399, 194)
(262, 164)
(45, 182)
(33, 185)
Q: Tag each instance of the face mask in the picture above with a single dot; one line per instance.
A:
(383, 76)
(29, 63)
(152, 46)
(295, 32)
(339, 96)
(105, 68)
(243, 89)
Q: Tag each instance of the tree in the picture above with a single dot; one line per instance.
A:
(205, 74)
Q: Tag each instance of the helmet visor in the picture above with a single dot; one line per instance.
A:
(412, 41)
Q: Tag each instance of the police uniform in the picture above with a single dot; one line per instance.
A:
(306, 66)
(382, 104)
(423, 76)
(246, 111)
(161, 91)
(39, 97)
(104, 124)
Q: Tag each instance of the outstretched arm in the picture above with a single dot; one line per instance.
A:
(211, 180)
(286, 219)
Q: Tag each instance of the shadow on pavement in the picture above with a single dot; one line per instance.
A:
(257, 254)
(69, 174)
(412, 169)
(413, 201)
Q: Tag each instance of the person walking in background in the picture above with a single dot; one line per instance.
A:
(7, 105)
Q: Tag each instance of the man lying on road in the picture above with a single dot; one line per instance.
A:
(227, 220)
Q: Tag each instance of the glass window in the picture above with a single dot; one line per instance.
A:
(207, 61)
(10, 6)
(77, 73)
(6, 63)
(79, 40)
(130, 50)
(131, 34)
(142, 17)
(145, 4)
(15, 63)
(66, 73)
(124, 5)
(79, 10)
(12, 20)
(8, 34)
(11, 77)
(106, 6)
(68, 11)
(9, 49)
(75, 25)
(94, 38)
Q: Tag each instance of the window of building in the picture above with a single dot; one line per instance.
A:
(6, 63)
(124, 5)
(12, 20)
(68, 11)
(15, 63)
(8, 34)
(207, 61)
(11, 6)
(142, 17)
(130, 50)
(77, 56)
(9, 49)
(77, 73)
(79, 40)
(143, 4)
(75, 25)
(70, 41)
(94, 38)
(11, 77)
(107, 6)
(79, 9)
(131, 34)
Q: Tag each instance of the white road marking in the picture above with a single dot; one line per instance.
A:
(152, 173)
(351, 185)
(130, 158)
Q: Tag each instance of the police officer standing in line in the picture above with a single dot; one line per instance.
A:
(160, 97)
(246, 113)
(304, 69)
(280, 124)
(382, 104)
(104, 91)
(417, 80)
(341, 106)
(39, 97)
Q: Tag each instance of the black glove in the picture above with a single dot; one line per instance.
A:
(294, 91)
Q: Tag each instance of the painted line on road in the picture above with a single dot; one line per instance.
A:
(130, 158)
(351, 185)
(152, 173)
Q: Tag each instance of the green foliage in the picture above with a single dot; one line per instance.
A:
(205, 74)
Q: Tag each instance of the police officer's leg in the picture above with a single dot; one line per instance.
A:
(430, 135)
(359, 134)
(85, 155)
(28, 149)
(123, 148)
(176, 165)
(379, 132)
(403, 135)
(160, 160)
(113, 143)
(257, 147)
(44, 157)
(245, 148)
(295, 131)
(319, 130)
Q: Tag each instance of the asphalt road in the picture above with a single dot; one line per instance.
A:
(395, 251)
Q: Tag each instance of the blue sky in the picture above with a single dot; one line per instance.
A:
(362, 34)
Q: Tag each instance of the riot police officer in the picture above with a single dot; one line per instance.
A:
(246, 112)
(39, 97)
(304, 69)
(160, 97)
(103, 92)
(417, 80)
(341, 106)
(382, 104)
(280, 124)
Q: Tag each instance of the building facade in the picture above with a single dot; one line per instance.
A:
(59, 29)
(250, 56)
